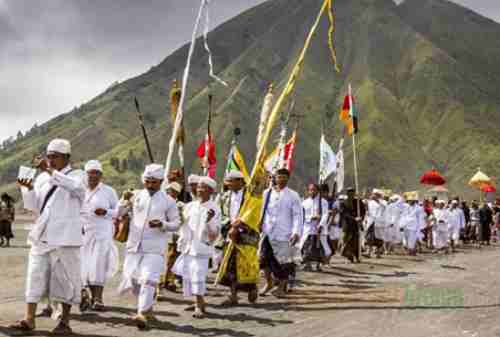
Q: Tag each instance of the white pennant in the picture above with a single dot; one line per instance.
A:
(339, 178)
(327, 160)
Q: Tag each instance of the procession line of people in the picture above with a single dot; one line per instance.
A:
(174, 236)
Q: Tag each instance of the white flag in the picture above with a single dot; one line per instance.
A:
(339, 179)
(327, 160)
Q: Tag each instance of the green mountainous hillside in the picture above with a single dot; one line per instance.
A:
(425, 75)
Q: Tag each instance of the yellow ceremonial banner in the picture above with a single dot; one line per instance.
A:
(239, 164)
(250, 212)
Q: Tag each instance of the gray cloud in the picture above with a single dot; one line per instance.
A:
(56, 54)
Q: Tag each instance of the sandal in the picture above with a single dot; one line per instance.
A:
(62, 329)
(198, 314)
(98, 306)
(22, 325)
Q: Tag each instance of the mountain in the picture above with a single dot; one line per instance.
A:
(424, 74)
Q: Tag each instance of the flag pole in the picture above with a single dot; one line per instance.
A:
(207, 139)
(140, 117)
(356, 178)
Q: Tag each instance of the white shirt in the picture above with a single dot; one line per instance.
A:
(311, 209)
(142, 238)
(235, 204)
(104, 197)
(59, 225)
(284, 215)
(441, 217)
(393, 213)
(376, 212)
(194, 234)
(413, 218)
(455, 218)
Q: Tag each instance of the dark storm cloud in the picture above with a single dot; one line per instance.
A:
(56, 54)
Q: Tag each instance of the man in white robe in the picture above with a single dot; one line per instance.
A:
(197, 235)
(376, 233)
(282, 225)
(412, 221)
(100, 256)
(314, 243)
(153, 215)
(55, 239)
(440, 226)
(393, 219)
(456, 221)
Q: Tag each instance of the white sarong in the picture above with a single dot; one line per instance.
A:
(100, 261)
(55, 275)
(194, 271)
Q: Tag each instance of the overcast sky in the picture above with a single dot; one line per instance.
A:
(57, 54)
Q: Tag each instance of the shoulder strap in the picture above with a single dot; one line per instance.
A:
(49, 195)
(266, 205)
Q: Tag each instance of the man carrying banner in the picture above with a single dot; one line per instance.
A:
(242, 263)
(351, 222)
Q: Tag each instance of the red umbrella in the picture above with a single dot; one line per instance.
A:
(432, 177)
(488, 188)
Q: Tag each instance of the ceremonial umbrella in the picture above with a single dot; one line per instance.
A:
(487, 188)
(478, 180)
(433, 178)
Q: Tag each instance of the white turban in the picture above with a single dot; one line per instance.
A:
(234, 174)
(395, 197)
(154, 171)
(175, 186)
(377, 191)
(193, 179)
(209, 182)
(60, 146)
(93, 165)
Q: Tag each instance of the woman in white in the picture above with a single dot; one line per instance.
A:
(197, 235)
(99, 253)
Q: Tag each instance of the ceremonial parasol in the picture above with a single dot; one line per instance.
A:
(479, 180)
(487, 188)
(433, 178)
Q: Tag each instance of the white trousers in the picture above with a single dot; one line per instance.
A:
(440, 239)
(54, 275)
(141, 275)
(410, 238)
(194, 271)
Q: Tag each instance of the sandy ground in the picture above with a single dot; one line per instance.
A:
(446, 295)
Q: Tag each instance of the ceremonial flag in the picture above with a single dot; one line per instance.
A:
(264, 114)
(282, 157)
(327, 160)
(349, 114)
(235, 162)
(206, 152)
(339, 178)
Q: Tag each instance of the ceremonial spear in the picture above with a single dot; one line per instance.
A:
(144, 133)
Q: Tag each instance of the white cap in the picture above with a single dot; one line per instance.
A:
(440, 201)
(377, 191)
(234, 174)
(193, 179)
(93, 165)
(209, 182)
(395, 197)
(154, 171)
(454, 202)
(175, 186)
(342, 197)
(60, 146)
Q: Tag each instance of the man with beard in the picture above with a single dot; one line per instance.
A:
(153, 215)
(282, 222)
(54, 258)
(99, 253)
(351, 222)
